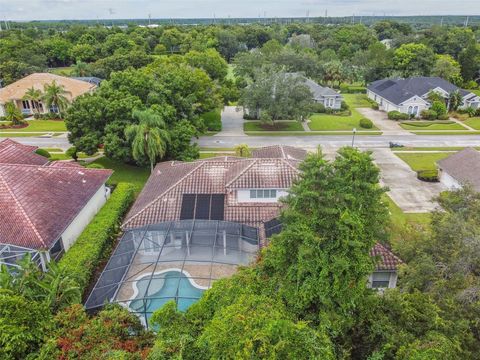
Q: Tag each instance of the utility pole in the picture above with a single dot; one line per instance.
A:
(466, 21)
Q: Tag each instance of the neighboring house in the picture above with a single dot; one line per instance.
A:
(89, 79)
(44, 205)
(242, 190)
(15, 92)
(410, 96)
(323, 95)
(460, 169)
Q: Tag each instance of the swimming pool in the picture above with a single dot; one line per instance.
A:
(163, 287)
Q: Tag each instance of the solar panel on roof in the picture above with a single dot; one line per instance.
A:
(188, 207)
(217, 207)
(202, 207)
(385, 85)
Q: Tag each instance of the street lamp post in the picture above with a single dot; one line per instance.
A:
(353, 138)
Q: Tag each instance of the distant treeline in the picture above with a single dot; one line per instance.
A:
(416, 21)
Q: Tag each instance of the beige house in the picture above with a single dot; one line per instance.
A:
(15, 92)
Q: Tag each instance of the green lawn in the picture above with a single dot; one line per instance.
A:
(309, 133)
(475, 91)
(473, 122)
(356, 100)
(62, 71)
(422, 161)
(439, 148)
(53, 150)
(41, 125)
(125, 173)
(210, 155)
(279, 126)
(431, 125)
(446, 132)
(231, 74)
(329, 122)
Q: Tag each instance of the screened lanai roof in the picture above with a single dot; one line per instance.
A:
(10, 255)
(176, 260)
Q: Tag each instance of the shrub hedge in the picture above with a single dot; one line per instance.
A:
(397, 115)
(429, 115)
(43, 153)
(213, 120)
(428, 175)
(83, 257)
(366, 123)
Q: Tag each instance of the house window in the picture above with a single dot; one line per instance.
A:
(380, 280)
(26, 104)
(263, 194)
(331, 102)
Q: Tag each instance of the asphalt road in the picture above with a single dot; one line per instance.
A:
(308, 142)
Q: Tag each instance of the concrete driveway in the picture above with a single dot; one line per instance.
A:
(381, 121)
(409, 193)
(232, 122)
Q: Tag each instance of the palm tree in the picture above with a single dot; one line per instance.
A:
(54, 95)
(34, 96)
(13, 114)
(149, 137)
(82, 69)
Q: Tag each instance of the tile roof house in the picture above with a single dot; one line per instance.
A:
(410, 96)
(461, 168)
(44, 206)
(16, 91)
(244, 190)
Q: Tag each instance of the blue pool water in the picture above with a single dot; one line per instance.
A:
(173, 285)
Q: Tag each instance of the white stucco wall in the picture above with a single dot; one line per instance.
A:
(449, 181)
(392, 281)
(84, 217)
(243, 196)
(2, 110)
(417, 101)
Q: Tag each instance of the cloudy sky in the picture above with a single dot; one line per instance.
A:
(92, 9)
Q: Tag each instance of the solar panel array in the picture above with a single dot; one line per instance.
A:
(202, 207)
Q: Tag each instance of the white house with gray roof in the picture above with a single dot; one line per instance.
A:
(460, 169)
(410, 96)
(322, 94)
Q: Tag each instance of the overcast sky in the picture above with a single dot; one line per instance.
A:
(125, 9)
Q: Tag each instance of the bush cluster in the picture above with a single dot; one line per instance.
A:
(213, 120)
(318, 108)
(47, 116)
(397, 115)
(43, 153)
(428, 175)
(429, 115)
(83, 257)
(366, 123)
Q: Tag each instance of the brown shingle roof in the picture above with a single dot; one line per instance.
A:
(280, 152)
(12, 152)
(463, 166)
(17, 90)
(387, 260)
(39, 202)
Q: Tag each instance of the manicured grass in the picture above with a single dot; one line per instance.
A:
(473, 122)
(231, 74)
(40, 125)
(63, 71)
(329, 122)
(422, 161)
(453, 148)
(62, 156)
(446, 132)
(475, 91)
(53, 150)
(309, 133)
(431, 125)
(10, 134)
(125, 173)
(400, 220)
(278, 126)
(356, 100)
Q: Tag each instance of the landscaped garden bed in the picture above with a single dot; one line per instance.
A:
(276, 126)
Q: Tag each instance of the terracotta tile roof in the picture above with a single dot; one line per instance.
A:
(161, 198)
(463, 166)
(387, 260)
(12, 152)
(17, 90)
(39, 202)
(280, 152)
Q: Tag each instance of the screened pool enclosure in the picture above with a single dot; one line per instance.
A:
(11, 255)
(172, 261)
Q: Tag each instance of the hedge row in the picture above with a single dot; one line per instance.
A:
(83, 257)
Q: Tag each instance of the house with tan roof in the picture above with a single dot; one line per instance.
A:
(240, 190)
(460, 169)
(16, 91)
(44, 205)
